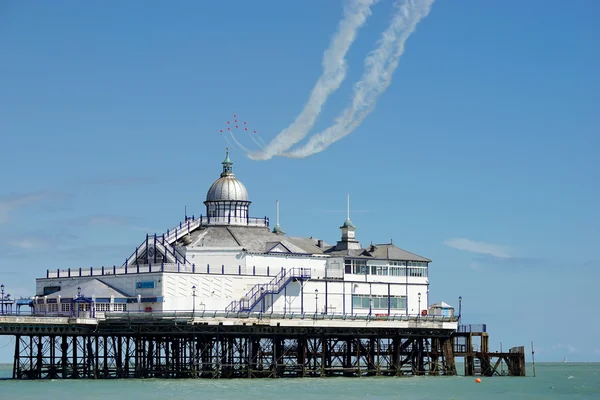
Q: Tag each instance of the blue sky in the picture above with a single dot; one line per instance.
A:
(482, 155)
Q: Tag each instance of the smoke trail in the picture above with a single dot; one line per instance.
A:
(238, 142)
(334, 72)
(226, 139)
(379, 67)
(256, 142)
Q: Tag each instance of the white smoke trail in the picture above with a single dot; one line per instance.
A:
(256, 142)
(334, 73)
(226, 139)
(238, 142)
(379, 68)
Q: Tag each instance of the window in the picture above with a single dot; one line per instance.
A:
(378, 302)
(65, 307)
(120, 307)
(102, 307)
(359, 267)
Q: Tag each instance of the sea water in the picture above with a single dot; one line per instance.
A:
(553, 381)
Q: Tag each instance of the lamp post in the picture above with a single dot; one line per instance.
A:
(2, 297)
(459, 309)
(262, 301)
(316, 301)
(419, 311)
(78, 300)
(194, 300)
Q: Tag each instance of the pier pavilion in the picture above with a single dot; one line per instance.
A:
(223, 296)
(227, 261)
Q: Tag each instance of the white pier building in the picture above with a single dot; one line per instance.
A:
(227, 261)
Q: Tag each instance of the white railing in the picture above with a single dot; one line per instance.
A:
(183, 229)
(192, 223)
(163, 267)
(169, 251)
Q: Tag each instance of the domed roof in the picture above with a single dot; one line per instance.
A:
(227, 187)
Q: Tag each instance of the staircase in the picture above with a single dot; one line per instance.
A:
(184, 228)
(161, 244)
(274, 286)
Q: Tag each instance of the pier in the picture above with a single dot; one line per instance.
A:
(252, 345)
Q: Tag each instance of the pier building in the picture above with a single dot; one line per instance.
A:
(224, 295)
(228, 261)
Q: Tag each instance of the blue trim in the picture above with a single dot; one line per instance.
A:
(121, 301)
(102, 299)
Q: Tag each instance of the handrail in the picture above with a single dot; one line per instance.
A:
(163, 245)
(190, 315)
(192, 223)
(274, 286)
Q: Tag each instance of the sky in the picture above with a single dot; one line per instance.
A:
(482, 154)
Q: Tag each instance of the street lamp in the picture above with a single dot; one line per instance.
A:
(419, 303)
(2, 297)
(459, 308)
(316, 301)
(262, 301)
(194, 300)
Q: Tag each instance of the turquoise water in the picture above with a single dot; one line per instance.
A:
(553, 381)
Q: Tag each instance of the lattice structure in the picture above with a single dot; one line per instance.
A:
(247, 351)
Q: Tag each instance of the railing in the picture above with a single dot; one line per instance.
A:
(472, 328)
(190, 314)
(162, 267)
(158, 242)
(192, 223)
(274, 286)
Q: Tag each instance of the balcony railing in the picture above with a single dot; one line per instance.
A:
(164, 267)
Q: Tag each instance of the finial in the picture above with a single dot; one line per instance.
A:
(227, 169)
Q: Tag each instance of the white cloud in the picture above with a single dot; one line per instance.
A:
(478, 247)
(12, 202)
(28, 243)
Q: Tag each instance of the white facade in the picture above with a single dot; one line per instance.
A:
(238, 265)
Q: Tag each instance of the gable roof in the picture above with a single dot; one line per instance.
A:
(389, 251)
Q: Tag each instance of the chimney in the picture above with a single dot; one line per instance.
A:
(320, 243)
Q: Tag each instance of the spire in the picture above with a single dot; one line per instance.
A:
(348, 222)
(277, 229)
(227, 164)
(348, 241)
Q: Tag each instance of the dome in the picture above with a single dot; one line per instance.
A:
(227, 188)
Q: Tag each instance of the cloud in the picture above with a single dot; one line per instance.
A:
(479, 247)
(99, 220)
(12, 202)
(129, 181)
(31, 243)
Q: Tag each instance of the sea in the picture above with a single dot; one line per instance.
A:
(552, 381)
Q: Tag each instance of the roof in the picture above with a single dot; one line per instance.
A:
(253, 239)
(389, 251)
(441, 304)
(89, 288)
(261, 240)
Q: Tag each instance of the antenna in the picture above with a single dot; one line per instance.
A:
(348, 206)
(185, 213)
(277, 208)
